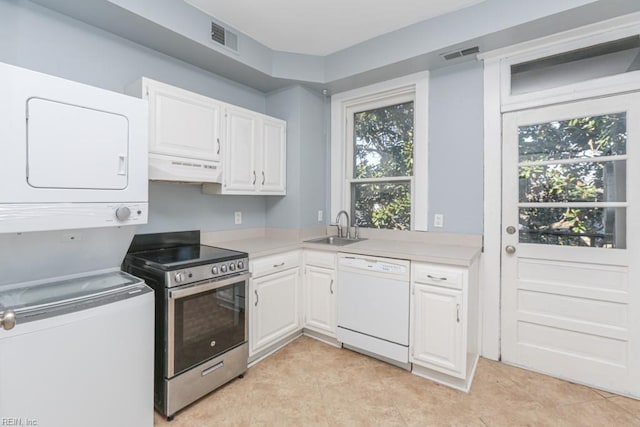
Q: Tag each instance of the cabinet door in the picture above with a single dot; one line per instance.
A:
(320, 299)
(437, 329)
(274, 308)
(273, 156)
(240, 156)
(183, 123)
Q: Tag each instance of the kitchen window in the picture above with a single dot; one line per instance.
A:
(379, 154)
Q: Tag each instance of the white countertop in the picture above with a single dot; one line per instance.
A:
(410, 250)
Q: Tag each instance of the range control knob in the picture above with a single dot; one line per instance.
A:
(232, 266)
(179, 277)
(123, 213)
(240, 265)
(223, 268)
(214, 269)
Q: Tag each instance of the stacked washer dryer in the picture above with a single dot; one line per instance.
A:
(76, 334)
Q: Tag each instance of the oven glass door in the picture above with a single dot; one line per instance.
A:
(204, 321)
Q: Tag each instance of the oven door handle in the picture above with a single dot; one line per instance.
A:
(197, 289)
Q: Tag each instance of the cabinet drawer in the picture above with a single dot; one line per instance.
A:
(320, 259)
(448, 277)
(272, 263)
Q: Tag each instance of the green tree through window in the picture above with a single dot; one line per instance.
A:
(383, 167)
(589, 170)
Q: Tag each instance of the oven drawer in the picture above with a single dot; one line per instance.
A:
(273, 263)
(188, 387)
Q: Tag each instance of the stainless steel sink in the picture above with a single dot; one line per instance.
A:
(335, 241)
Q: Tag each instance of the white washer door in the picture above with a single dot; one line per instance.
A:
(73, 147)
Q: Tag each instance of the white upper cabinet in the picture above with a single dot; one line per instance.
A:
(194, 138)
(253, 154)
(273, 156)
(183, 123)
(240, 151)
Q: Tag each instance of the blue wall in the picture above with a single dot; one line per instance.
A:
(456, 126)
(307, 167)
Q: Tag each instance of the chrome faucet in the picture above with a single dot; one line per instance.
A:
(340, 231)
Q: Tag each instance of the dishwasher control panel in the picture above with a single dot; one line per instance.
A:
(375, 265)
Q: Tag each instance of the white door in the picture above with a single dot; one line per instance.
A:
(183, 123)
(273, 156)
(240, 157)
(320, 300)
(274, 308)
(570, 291)
(437, 335)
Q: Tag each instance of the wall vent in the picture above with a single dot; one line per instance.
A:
(223, 36)
(460, 53)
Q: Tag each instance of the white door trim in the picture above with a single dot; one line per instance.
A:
(490, 261)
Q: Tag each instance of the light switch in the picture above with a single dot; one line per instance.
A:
(320, 216)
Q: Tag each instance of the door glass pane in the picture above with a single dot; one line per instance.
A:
(584, 137)
(574, 182)
(383, 145)
(382, 205)
(594, 227)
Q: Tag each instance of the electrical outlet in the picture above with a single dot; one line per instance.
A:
(320, 216)
(238, 218)
(438, 220)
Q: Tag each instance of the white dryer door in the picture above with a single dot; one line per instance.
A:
(65, 151)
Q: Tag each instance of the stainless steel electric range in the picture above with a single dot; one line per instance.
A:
(201, 314)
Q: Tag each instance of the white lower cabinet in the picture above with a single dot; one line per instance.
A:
(444, 323)
(320, 292)
(438, 335)
(274, 293)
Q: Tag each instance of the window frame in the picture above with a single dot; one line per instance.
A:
(409, 88)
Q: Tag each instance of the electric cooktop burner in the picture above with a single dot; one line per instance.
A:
(186, 256)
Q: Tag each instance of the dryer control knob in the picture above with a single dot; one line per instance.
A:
(123, 213)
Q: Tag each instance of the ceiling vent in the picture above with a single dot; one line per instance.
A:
(226, 38)
(460, 53)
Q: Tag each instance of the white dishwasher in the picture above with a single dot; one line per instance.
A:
(373, 306)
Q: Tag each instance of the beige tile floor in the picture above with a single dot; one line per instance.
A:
(309, 383)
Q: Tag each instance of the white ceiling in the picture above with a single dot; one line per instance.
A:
(321, 27)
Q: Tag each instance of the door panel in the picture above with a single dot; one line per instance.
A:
(437, 329)
(184, 124)
(273, 156)
(320, 302)
(275, 311)
(569, 234)
(241, 140)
